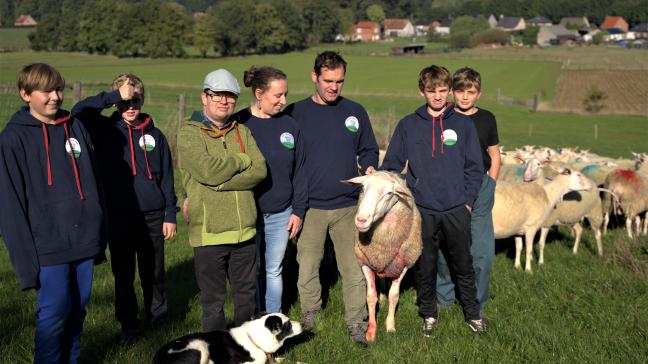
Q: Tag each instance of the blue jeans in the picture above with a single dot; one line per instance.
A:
(272, 240)
(61, 299)
(482, 248)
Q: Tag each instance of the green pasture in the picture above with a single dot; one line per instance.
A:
(14, 39)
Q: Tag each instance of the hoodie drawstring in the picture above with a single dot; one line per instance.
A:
(434, 134)
(132, 152)
(49, 164)
(74, 165)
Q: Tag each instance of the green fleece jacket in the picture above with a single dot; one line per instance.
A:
(218, 179)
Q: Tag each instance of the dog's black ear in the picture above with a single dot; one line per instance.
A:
(258, 315)
(274, 324)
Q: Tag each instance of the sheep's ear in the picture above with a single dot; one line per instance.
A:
(402, 192)
(558, 169)
(355, 180)
(518, 160)
(566, 171)
(546, 163)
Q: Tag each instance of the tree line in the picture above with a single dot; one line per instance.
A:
(156, 28)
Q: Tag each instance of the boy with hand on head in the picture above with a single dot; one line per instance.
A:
(444, 172)
(137, 175)
(466, 89)
(51, 214)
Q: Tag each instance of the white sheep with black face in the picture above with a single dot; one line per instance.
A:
(389, 237)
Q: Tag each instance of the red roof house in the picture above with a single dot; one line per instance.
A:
(614, 22)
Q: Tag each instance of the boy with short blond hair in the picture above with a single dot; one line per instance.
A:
(137, 175)
(51, 214)
(441, 151)
(466, 90)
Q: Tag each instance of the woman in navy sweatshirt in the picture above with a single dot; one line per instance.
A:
(282, 196)
(51, 214)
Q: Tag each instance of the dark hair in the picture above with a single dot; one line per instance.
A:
(433, 76)
(329, 59)
(260, 78)
(40, 77)
(465, 78)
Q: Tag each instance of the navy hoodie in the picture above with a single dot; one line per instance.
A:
(337, 138)
(133, 179)
(445, 168)
(281, 144)
(51, 212)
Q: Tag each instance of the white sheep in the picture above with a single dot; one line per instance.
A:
(570, 210)
(521, 208)
(388, 242)
(631, 187)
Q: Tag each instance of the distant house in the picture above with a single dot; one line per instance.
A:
(365, 31)
(511, 23)
(555, 35)
(616, 34)
(539, 21)
(614, 22)
(575, 21)
(492, 21)
(398, 28)
(25, 21)
(444, 26)
(422, 26)
(640, 30)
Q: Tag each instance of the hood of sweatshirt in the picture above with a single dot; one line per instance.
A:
(445, 115)
(145, 125)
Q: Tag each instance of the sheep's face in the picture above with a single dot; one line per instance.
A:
(576, 181)
(379, 194)
(533, 169)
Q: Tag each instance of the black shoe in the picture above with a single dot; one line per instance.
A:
(429, 323)
(478, 326)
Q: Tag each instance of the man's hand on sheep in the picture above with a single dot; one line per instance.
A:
(370, 170)
(294, 224)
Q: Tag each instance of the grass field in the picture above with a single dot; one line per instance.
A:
(574, 309)
(14, 39)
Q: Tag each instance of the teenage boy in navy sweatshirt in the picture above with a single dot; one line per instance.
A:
(137, 175)
(444, 171)
(51, 214)
(337, 137)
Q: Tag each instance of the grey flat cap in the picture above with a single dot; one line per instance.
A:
(222, 80)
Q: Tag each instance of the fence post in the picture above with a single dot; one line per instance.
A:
(595, 131)
(181, 109)
(536, 102)
(530, 129)
(499, 92)
(76, 92)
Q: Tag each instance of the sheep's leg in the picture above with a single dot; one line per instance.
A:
(629, 226)
(599, 243)
(394, 294)
(645, 224)
(372, 298)
(541, 244)
(528, 237)
(606, 221)
(637, 226)
(518, 252)
(579, 232)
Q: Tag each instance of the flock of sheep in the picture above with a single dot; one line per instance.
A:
(543, 187)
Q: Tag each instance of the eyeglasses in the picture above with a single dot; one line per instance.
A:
(221, 96)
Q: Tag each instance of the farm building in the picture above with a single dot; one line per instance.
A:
(575, 21)
(401, 28)
(640, 31)
(25, 21)
(614, 22)
(366, 31)
(443, 27)
(422, 26)
(511, 23)
(555, 34)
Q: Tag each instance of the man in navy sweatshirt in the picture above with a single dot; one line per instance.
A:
(51, 214)
(444, 172)
(337, 137)
(137, 175)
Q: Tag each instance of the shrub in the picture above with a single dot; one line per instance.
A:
(460, 40)
(594, 98)
(491, 36)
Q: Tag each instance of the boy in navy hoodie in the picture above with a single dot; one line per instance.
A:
(444, 171)
(51, 214)
(137, 175)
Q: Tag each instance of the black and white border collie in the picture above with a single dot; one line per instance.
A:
(253, 342)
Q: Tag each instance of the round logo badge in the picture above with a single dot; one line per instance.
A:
(352, 124)
(147, 141)
(73, 146)
(449, 137)
(287, 140)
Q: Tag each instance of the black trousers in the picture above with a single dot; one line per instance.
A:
(213, 265)
(450, 233)
(137, 238)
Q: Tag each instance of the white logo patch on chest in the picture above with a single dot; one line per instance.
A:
(352, 124)
(449, 137)
(73, 146)
(287, 140)
(147, 141)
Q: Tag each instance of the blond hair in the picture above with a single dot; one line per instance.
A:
(134, 81)
(39, 77)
